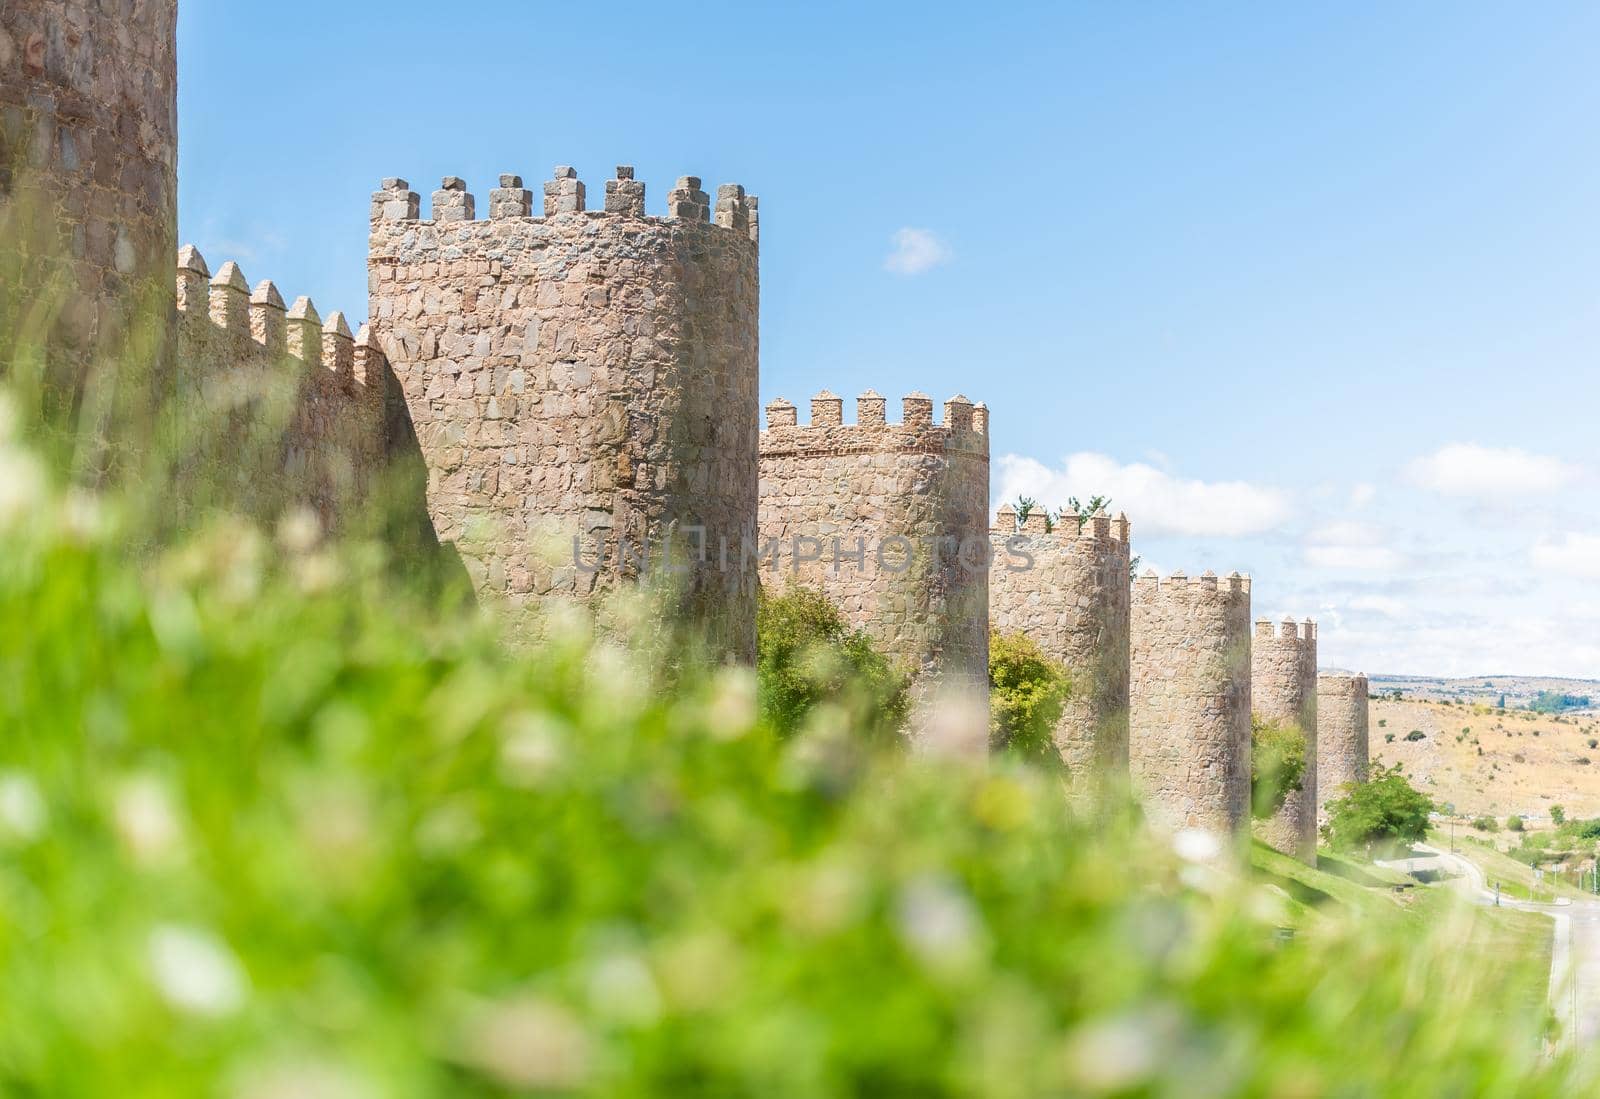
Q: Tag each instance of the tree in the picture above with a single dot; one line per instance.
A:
(806, 653)
(1277, 763)
(1082, 511)
(1558, 815)
(1027, 691)
(1513, 823)
(1027, 505)
(1485, 824)
(1383, 813)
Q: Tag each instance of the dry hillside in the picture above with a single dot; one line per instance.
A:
(1490, 761)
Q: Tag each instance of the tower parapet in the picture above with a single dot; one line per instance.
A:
(88, 183)
(582, 385)
(1069, 590)
(1341, 735)
(1189, 700)
(1283, 686)
(889, 520)
(283, 407)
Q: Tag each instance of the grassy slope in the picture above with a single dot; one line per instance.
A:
(1516, 879)
(1521, 942)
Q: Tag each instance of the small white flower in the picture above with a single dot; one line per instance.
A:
(732, 712)
(22, 808)
(532, 749)
(145, 818)
(1115, 1055)
(1197, 845)
(22, 487)
(195, 971)
(622, 988)
(299, 531)
(529, 1044)
(938, 922)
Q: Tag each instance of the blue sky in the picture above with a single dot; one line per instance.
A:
(1312, 290)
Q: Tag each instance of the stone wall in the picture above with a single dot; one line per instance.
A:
(1283, 687)
(1341, 735)
(891, 522)
(284, 410)
(1068, 590)
(582, 384)
(88, 185)
(1189, 700)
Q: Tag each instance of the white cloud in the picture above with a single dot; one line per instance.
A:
(1349, 544)
(1362, 495)
(1574, 555)
(916, 251)
(1157, 502)
(1384, 605)
(1490, 473)
(1364, 558)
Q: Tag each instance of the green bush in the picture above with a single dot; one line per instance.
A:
(1277, 763)
(1384, 813)
(1486, 824)
(1513, 823)
(1558, 815)
(1388, 738)
(807, 654)
(1416, 734)
(1027, 691)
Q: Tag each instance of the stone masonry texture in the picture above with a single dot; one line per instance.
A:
(1341, 735)
(1068, 590)
(1283, 690)
(890, 521)
(582, 384)
(1189, 700)
(88, 184)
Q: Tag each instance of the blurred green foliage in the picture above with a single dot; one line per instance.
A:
(272, 827)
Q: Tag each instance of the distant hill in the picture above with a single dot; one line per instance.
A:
(1485, 760)
(1519, 690)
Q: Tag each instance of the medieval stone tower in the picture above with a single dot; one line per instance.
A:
(890, 521)
(582, 384)
(1341, 735)
(1283, 686)
(1189, 700)
(88, 176)
(1068, 589)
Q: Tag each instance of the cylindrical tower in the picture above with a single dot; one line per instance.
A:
(1068, 589)
(890, 521)
(582, 385)
(1283, 690)
(1341, 735)
(88, 181)
(1189, 700)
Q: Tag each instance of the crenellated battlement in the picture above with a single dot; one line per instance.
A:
(1180, 587)
(240, 324)
(1288, 630)
(564, 195)
(292, 404)
(964, 426)
(1097, 529)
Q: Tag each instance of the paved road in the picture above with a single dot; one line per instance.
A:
(1575, 954)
